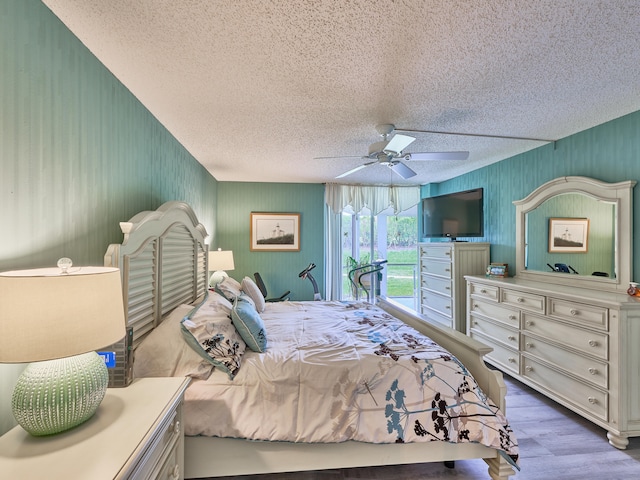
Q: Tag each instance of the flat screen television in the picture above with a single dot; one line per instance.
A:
(454, 215)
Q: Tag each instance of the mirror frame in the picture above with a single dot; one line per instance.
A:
(620, 194)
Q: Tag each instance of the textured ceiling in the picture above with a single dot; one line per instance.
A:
(256, 90)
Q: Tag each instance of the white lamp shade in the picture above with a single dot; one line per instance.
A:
(221, 260)
(46, 315)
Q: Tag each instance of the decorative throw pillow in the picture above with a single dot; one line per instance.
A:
(250, 288)
(216, 302)
(211, 334)
(164, 353)
(229, 288)
(249, 324)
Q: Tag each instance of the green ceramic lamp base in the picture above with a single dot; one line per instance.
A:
(56, 395)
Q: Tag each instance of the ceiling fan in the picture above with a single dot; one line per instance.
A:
(390, 153)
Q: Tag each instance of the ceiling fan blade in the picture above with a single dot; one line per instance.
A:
(354, 170)
(341, 156)
(402, 170)
(485, 135)
(436, 156)
(398, 143)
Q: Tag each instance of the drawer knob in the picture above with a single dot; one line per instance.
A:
(447, 288)
(511, 337)
(176, 427)
(483, 291)
(448, 307)
(512, 360)
(593, 343)
(447, 269)
(175, 474)
(528, 323)
(528, 368)
(529, 345)
(593, 371)
(593, 400)
(520, 300)
(574, 312)
(512, 317)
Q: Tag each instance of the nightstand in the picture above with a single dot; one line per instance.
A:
(137, 433)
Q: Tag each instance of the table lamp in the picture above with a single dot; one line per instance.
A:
(57, 318)
(219, 261)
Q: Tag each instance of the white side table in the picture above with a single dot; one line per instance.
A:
(137, 433)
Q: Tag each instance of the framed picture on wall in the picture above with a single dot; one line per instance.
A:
(568, 235)
(275, 232)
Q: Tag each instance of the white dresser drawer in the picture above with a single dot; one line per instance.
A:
(579, 313)
(496, 312)
(588, 342)
(171, 469)
(525, 301)
(441, 251)
(501, 356)
(437, 302)
(589, 369)
(438, 318)
(436, 284)
(161, 445)
(586, 397)
(435, 267)
(488, 292)
(497, 331)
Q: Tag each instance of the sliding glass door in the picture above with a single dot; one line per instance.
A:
(367, 238)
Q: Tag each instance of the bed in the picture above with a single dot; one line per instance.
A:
(164, 272)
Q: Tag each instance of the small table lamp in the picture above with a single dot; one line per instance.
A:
(57, 318)
(219, 261)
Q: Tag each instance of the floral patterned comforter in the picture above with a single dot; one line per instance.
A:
(338, 371)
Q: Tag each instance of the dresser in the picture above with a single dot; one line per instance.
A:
(443, 266)
(136, 433)
(576, 346)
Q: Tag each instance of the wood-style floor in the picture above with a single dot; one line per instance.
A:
(555, 444)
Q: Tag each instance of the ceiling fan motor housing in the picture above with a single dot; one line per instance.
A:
(375, 149)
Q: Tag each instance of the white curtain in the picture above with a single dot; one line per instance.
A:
(332, 254)
(377, 199)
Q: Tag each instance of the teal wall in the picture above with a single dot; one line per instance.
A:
(609, 152)
(279, 270)
(78, 154)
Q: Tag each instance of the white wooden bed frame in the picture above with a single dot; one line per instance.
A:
(163, 261)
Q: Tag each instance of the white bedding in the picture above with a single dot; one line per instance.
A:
(334, 372)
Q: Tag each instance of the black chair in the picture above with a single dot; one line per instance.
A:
(263, 290)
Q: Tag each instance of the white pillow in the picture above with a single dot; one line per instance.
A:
(229, 288)
(164, 353)
(250, 288)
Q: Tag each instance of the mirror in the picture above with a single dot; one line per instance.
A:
(576, 231)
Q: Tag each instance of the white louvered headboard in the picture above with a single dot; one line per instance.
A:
(163, 263)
